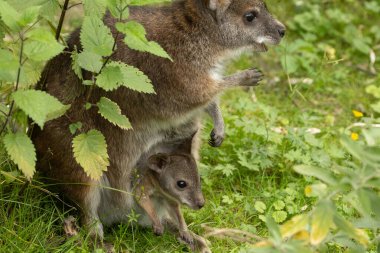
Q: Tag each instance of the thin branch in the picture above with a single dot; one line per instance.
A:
(17, 84)
(61, 19)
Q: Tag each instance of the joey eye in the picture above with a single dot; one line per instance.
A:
(181, 184)
(250, 16)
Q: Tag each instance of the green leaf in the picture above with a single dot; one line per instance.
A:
(117, 74)
(322, 220)
(279, 216)
(49, 10)
(41, 45)
(347, 228)
(312, 171)
(29, 16)
(9, 15)
(279, 205)
(96, 37)
(274, 229)
(75, 65)
(369, 202)
(75, 127)
(135, 39)
(39, 105)
(90, 151)
(95, 8)
(90, 61)
(260, 206)
(21, 150)
(8, 66)
(111, 112)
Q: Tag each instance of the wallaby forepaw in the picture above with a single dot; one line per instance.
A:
(158, 230)
(216, 139)
(251, 77)
(187, 237)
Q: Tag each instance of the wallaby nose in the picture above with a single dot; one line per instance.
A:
(200, 203)
(282, 32)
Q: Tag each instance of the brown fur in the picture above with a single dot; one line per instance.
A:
(197, 39)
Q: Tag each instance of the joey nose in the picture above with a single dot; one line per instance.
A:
(282, 32)
(200, 203)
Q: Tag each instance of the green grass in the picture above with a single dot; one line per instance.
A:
(254, 163)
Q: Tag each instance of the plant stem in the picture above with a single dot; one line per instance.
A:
(61, 19)
(17, 84)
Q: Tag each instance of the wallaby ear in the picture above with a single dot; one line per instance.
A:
(218, 7)
(187, 144)
(158, 162)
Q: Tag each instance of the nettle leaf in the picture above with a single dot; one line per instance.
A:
(21, 150)
(75, 127)
(29, 16)
(39, 105)
(41, 45)
(95, 8)
(8, 66)
(322, 220)
(9, 15)
(117, 74)
(90, 61)
(96, 37)
(111, 112)
(135, 39)
(75, 65)
(49, 9)
(90, 151)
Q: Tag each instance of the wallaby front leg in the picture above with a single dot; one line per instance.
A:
(250, 77)
(184, 232)
(217, 133)
(146, 203)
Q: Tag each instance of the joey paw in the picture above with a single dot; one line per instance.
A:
(216, 139)
(251, 77)
(158, 229)
(187, 237)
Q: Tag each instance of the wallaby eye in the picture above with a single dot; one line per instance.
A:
(181, 184)
(250, 16)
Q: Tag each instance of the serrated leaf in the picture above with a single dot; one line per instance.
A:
(260, 206)
(90, 61)
(29, 16)
(74, 64)
(39, 105)
(279, 216)
(49, 9)
(9, 16)
(96, 37)
(41, 45)
(95, 8)
(135, 39)
(21, 150)
(75, 127)
(8, 66)
(320, 173)
(279, 205)
(117, 74)
(322, 220)
(111, 112)
(90, 151)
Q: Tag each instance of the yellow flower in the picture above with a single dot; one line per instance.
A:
(308, 190)
(357, 114)
(355, 136)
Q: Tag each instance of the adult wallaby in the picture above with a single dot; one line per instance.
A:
(198, 34)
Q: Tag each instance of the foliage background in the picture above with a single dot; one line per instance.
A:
(300, 119)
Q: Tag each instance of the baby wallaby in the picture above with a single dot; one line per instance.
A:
(168, 181)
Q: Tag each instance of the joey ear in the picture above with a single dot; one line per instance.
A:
(187, 144)
(158, 162)
(218, 7)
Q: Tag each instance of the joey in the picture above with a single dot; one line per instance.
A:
(198, 35)
(169, 181)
